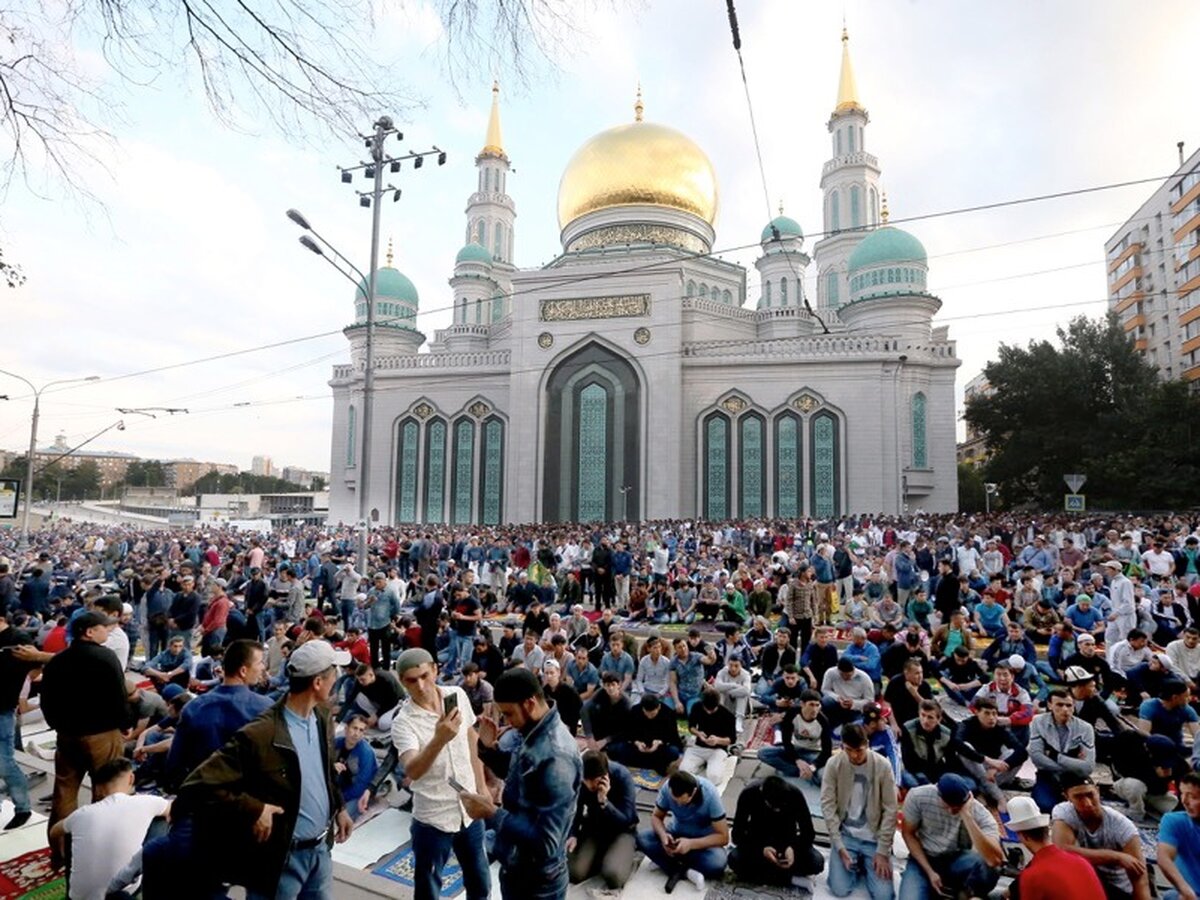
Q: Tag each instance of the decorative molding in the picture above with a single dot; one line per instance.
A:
(577, 308)
(806, 403)
(479, 409)
(734, 404)
(639, 234)
(422, 410)
(545, 340)
(642, 336)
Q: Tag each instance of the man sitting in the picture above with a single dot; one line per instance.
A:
(773, 832)
(355, 765)
(807, 742)
(1060, 743)
(927, 747)
(602, 837)
(1102, 836)
(990, 754)
(953, 842)
(606, 715)
(688, 831)
(845, 690)
(651, 738)
(714, 731)
(1179, 842)
(1052, 874)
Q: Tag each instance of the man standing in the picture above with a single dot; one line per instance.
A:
(267, 804)
(1124, 605)
(184, 611)
(858, 803)
(540, 794)
(212, 718)
(83, 699)
(437, 744)
(1052, 874)
(773, 833)
(465, 616)
(382, 607)
(602, 837)
(13, 672)
(953, 842)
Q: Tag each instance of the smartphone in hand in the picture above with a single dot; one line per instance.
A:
(457, 785)
(449, 704)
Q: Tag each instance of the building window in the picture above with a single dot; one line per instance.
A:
(837, 137)
(478, 310)
(826, 474)
(855, 206)
(704, 290)
(435, 471)
(464, 465)
(920, 456)
(499, 244)
(767, 292)
(850, 134)
(752, 480)
(835, 214)
(497, 308)
(831, 289)
(351, 438)
(481, 236)
(593, 452)
(716, 467)
(491, 484)
(783, 291)
(788, 458)
(406, 472)
(727, 298)
(691, 288)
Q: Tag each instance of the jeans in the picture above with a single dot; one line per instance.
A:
(612, 860)
(908, 781)
(1046, 791)
(347, 607)
(709, 862)
(18, 786)
(842, 881)
(783, 760)
(379, 642)
(962, 698)
(461, 649)
(431, 848)
(959, 871)
(307, 875)
(838, 714)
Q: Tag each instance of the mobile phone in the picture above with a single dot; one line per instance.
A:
(457, 785)
(449, 704)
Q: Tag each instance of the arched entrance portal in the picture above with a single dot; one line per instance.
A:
(593, 439)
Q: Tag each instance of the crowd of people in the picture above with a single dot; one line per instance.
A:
(976, 685)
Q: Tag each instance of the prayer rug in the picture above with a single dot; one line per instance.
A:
(762, 733)
(647, 779)
(399, 868)
(30, 876)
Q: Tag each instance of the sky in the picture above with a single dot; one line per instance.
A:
(191, 255)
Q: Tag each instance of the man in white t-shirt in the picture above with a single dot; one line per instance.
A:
(434, 735)
(109, 832)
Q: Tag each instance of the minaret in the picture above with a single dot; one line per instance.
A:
(850, 185)
(490, 211)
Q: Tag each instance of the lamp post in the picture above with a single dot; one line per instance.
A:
(33, 429)
(384, 128)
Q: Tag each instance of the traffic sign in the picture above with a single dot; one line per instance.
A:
(10, 493)
(1075, 482)
(1074, 502)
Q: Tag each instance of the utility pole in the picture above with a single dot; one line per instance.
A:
(375, 143)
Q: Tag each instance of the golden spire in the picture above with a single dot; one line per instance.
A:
(638, 107)
(494, 144)
(883, 212)
(389, 253)
(847, 96)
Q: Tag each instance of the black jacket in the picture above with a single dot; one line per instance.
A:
(755, 827)
(640, 727)
(617, 816)
(83, 691)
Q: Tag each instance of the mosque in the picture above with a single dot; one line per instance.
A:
(632, 378)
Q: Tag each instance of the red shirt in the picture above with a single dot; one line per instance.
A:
(56, 640)
(1055, 874)
(358, 649)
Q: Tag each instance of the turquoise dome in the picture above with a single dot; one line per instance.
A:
(474, 253)
(887, 245)
(390, 284)
(788, 228)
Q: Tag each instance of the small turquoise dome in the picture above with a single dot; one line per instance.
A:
(390, 284)
(475, 253)
(787, 226)
(887, 245)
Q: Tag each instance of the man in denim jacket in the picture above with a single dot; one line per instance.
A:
(540, 794)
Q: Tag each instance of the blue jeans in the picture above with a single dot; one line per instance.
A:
(709, 862)
(783, 760)
(18, 786)
(842, 881)
(908, 781)
(959, 871)
(1047, 792)
(307, 875)
(461, 649)
(431, 848)
(962, 698)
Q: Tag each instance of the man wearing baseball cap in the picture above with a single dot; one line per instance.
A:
(953, 841)
(1052, 874)
(267, 806)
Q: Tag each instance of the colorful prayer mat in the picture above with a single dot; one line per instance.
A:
(399, 868)
(30, 877)
(647, 779)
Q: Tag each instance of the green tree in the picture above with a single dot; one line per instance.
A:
(1092, 405)
(242, 483)
(970, 489)
(145, 473)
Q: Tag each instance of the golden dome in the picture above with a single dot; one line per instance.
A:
(639, 164)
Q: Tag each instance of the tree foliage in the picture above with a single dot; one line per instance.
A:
(1091, 405)
(242, 483)
(145, 473)
(79, 482)
(971, 497)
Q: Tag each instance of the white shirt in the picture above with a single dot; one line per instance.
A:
(118, 643)
(435, 802)
(1158, 563)
(105, 836)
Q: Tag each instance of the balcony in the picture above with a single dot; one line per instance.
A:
(1138, 321)
(1124, 255)
(1132, 275)
(1140, 345)
(1192, 374)
(1125, 303)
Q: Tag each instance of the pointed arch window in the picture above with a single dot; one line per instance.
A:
(491, 472)
(835, 213)
(715, 435)
(831, 289)
(752, 481)
(351, 437)
(920, 455)
(463, 474)
(727, 297)
(406, 471)
(826, 472)
(691, 288)
(789, 457)
(478, 310)
(767, 292)
(874, 210)
(481, 233)
(855, 206)
(435, 471)
(850, 135)
(783, 297)
(499, 241)
(593, 452)
(837, 136)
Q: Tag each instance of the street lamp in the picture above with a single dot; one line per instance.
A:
(989, 488)
(37, 399)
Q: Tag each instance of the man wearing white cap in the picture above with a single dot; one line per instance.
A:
(1052, 874)
(1124, 605)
